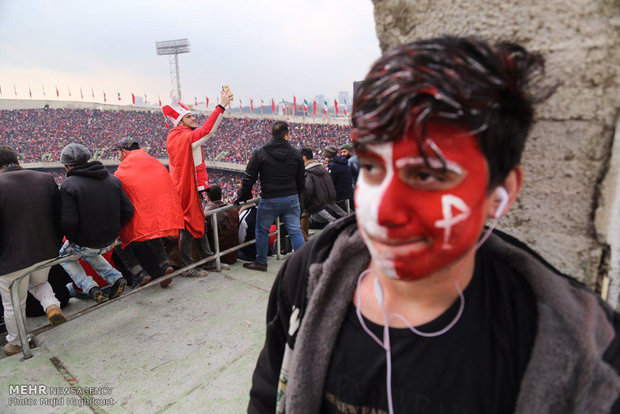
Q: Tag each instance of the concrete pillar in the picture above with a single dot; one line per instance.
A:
(568, 153)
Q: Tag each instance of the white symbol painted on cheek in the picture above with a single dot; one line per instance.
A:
(449, 201)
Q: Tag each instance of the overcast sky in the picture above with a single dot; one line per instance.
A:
(261, 48)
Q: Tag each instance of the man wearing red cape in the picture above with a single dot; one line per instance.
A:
(186, 165)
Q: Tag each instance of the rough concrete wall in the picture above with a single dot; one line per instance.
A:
(567, 154)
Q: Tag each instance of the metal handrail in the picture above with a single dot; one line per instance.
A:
(13, 287)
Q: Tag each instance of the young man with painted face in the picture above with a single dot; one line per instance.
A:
(408, 307)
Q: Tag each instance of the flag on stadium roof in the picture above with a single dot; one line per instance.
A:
(207, 102)
(262, 105)
(159, 99)
(0, 90)
(305, 105)
(294, 104)
(273, 106)
(57, 94)
(29, 92)
(336, 105)
(195, 101)
(133, 98)
(240, 104)
(314, 107)
(345, 107)
(325, 107)
(119, 96)
(252, 104)
(104, 99)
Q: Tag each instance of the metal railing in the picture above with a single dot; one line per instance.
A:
(212, 214)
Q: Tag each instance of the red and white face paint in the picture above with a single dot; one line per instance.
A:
(417, 219)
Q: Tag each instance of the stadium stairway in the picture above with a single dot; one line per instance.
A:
(188, 348)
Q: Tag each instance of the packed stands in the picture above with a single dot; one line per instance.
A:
(40, 134)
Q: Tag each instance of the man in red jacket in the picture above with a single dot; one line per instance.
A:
(185, 159)
(158, 213)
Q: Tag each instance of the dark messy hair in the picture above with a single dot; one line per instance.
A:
(279, 130)
(129, 144)
(7, 156)
(307, 152)
(487, 88)
(214, 192)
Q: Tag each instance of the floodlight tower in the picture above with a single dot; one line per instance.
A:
(173, 48)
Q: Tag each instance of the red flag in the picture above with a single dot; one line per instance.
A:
(314, 108)
(252, 104)
(195, 101)
(159, 99)
(119, 96)
(133, 98)
(57, 94)
(104, 100)
(345, 111)
(294, 104)
(336, 105)
(273, 106)
(207, 100)
(29, 92)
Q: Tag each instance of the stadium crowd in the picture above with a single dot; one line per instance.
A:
(40, 134)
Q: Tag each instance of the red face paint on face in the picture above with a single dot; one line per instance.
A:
(414, 219)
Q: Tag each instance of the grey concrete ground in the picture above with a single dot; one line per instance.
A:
(190, 348)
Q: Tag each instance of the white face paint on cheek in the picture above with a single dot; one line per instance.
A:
(448, 202)
(367, 201)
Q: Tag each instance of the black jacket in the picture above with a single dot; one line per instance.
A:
(319, 190)
(341, 176)
(94, 206)
(281, 171)
(29, 218)
(574, 363)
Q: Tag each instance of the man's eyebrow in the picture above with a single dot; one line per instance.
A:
(434, 163)
(368, 152)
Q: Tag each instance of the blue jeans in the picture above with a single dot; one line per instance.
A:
(92, 257)
(268, 209)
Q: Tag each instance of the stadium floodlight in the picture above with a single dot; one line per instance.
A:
(173, 48)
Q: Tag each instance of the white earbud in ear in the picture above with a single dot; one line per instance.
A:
(502, 194)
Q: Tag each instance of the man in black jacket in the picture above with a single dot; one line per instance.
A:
(29, 234)
(319, 194)
(281, 171)
(412, 305)
(339, 170)
(93, 209)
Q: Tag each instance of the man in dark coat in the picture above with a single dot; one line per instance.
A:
(281, 171)
(318, 195)
(339, 170)
(227, 224)
(29, 234)
(94, 208)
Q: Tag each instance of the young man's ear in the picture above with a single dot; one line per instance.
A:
(505, 195)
